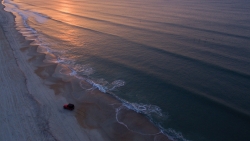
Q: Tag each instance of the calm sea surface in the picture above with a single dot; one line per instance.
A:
(185, 64)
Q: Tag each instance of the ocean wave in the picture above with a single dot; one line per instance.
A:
(83, 69)
(124, 124)
(173, 135)
(13, 7)
(146, 109)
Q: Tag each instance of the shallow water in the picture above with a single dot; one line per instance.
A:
(182, 64)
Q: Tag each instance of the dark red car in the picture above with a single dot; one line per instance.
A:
(69, 106)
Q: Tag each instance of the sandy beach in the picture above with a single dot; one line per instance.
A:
(33, 91)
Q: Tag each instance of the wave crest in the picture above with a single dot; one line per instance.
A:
(146, 109)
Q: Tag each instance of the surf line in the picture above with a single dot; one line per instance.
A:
(122, 123)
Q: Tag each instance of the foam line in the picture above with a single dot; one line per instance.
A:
(122, 123)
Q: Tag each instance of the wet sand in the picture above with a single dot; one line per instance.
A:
(34, 87)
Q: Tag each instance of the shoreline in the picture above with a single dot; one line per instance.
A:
(97, 116)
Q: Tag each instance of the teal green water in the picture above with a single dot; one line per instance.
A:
(189, 58)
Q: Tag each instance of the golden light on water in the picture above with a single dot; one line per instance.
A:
(65, 6)
(70, 34)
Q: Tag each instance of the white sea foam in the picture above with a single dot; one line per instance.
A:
(10, 5)
(173, 135)
(40, 18)
(148, 110)
(13, 7)
(83, 69)
(122, 123)
(116, 84)
(145, 109)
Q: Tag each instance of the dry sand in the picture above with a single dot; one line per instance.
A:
(32, 94)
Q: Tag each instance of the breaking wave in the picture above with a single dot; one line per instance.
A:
(25, 14)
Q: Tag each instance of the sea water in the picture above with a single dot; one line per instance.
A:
(185, 65)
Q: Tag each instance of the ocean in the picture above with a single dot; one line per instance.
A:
(184, 65)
